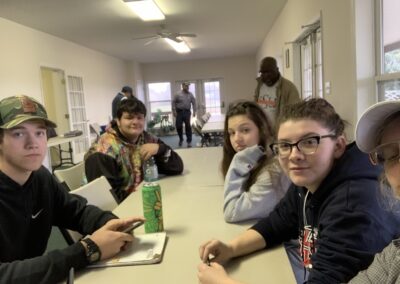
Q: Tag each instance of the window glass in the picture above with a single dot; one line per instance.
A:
(311, 64)
(212, 97)
(159, 91)
(391, 35)
(389, 90)
(159, 100)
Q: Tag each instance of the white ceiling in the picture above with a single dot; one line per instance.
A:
(223, 27)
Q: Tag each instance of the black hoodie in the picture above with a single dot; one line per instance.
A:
(349, 221)
(27, 214)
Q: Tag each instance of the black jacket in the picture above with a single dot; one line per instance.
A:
(347, 214)
(27, 214)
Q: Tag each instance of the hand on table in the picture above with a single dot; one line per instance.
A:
(109, 238)
(220, 251)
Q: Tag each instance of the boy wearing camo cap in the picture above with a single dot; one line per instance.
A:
(32, 201)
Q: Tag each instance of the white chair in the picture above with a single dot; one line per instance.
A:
(73, 176)
(206, 117)
(97, 192)
(95, 128)
(197, 125)
(95, 132)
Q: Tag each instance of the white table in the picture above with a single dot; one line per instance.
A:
(212, 127)
(192, 215)
(201, 168)
(217, 118)
(214, 124)
(56, 142)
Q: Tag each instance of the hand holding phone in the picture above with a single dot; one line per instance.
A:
(132, 226)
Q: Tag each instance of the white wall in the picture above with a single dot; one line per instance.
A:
(237, 73)
(24, 50)
(339, 56)
(135, 75)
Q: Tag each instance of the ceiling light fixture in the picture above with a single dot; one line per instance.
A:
(147, 10)
(180, 47)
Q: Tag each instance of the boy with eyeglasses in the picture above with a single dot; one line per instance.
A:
(332, 206)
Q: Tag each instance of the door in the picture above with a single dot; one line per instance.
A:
(55, 102)
(208, 95)
(78, 120)
(55, 97)
(211, 97)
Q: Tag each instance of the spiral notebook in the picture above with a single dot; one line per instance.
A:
(145, 249)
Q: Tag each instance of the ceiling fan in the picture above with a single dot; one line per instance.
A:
(165, 34)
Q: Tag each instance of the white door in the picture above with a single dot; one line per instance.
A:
(211, 96)
(77, 113)
(208, 95)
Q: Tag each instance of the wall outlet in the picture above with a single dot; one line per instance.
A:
(327, 88)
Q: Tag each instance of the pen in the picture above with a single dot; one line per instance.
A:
(70, 279)
(208, 261)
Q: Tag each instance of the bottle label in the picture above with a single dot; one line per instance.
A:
(150, 170)
(152, 207)
(151, 173)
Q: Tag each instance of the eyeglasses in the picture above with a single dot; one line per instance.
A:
(306, 146)
(386, 155)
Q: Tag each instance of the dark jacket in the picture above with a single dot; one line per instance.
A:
(350, 222)
(27, 214)
(115, 104)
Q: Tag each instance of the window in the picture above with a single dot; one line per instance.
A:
(78, 116)
(207, 93)
(212, 98)
(388, 46)
(159, 99)
(311, 62)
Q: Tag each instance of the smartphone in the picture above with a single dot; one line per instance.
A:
(133, 226)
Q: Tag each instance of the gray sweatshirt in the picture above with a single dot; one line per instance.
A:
(270, 186)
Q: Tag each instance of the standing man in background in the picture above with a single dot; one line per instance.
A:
(125, 93)
(273, 92)
(181, 110)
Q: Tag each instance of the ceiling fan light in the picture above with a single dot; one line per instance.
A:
(180, 47)
(147, 10)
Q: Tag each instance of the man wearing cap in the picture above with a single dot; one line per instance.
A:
(273, 92)
(125, 93)
(32, 201)
(181, 110)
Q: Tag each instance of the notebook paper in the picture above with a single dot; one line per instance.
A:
(145, 249)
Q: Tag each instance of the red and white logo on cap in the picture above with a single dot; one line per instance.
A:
(28, 105)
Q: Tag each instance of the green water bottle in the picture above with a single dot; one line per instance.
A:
(152, 207)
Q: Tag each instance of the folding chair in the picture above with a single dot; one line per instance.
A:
(98, 193)
(95, 132)
(205, 117)
(72, 177)
(197, 126)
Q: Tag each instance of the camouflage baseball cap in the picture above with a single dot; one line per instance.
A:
(18, 109)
